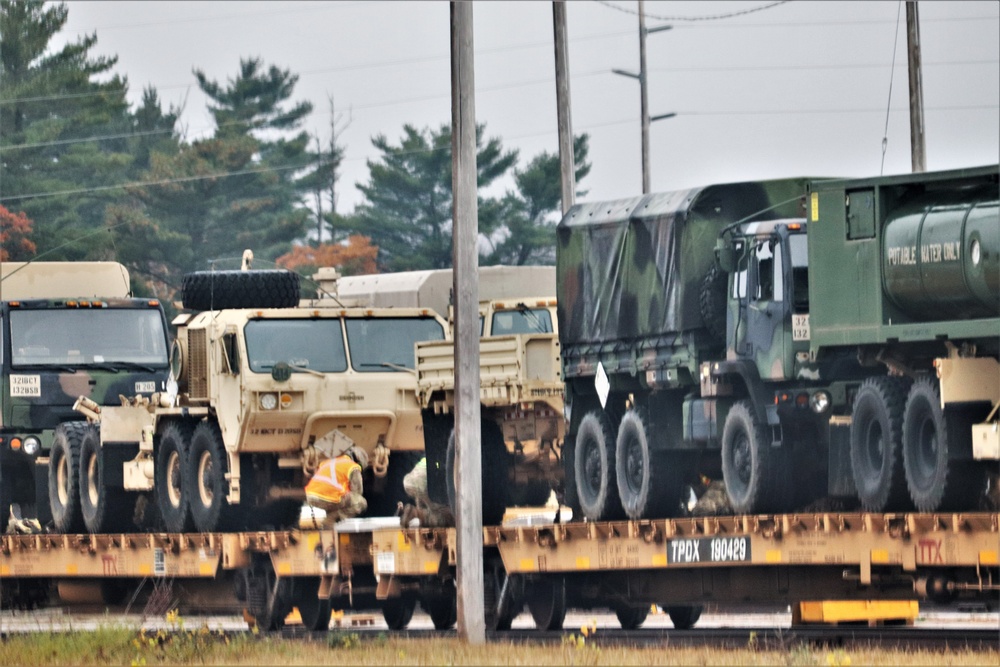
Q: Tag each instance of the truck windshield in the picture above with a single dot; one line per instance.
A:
(381, 344)
(521, 321)
(80, 337)
(316, 345)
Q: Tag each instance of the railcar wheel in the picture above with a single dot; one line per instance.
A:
(750, 466)
(684, 617)
(935, 481)
(172, 494)
(315, 613)
(206, 479)
(269, 599)
(443, 610)
(64, 478)
(215, 290)
(502, 601)
(105, 509)
(594, 468)
(495, 465)
(876, 436)
(546, 600)
(631, 617)
(398, 612)
(649, 483)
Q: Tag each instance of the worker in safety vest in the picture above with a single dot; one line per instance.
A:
(337, 486)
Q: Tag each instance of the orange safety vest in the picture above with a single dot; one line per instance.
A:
(332, 479)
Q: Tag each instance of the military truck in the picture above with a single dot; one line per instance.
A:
(856, 362)
(68, 329)
(520, 379)
(262, 389)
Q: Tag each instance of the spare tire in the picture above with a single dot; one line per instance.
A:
(215, 290)
(712, 302)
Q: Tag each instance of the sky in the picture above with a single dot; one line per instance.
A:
(760, 89)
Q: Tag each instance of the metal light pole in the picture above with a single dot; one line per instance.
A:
(643, 95)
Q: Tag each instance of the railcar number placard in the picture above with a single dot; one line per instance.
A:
(708, 550)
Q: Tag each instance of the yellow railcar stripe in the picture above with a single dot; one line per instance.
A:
(284, 567)
(880, 556)
(72, 569)
(208, 568)
(988, 558)
(4, 571)
(772, 556)
(430, 566)
(659, 560)
(527, 565)
(582, 563)
(402, 544)
(145, 570)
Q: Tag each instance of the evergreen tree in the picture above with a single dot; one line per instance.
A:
(408, 207)
(60, 130)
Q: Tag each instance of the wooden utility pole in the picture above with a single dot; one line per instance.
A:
(465, 286)
(918, 157)
(567, 159)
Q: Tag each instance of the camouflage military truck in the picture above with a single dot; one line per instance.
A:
(858, 362)
(520, 380)
(69, 329)
(264, 388)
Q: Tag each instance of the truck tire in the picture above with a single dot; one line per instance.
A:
(876, 449)
(398, 612)
(648, 486)
(216, 290)
(105, 508)
(751, 467)
(594, 468)
(684, 617)
(315, 613)
(172, 493)
(443, 610)
(712, 303)
(495, 465)
(64, 478)
(935, 481)
(206, 479)
(546, 600)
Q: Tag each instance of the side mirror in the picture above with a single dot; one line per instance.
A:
(281, 372)
(725, 255)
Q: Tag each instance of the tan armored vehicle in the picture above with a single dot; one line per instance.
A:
(264, 388)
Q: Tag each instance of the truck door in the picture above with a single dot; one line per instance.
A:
(760, 287)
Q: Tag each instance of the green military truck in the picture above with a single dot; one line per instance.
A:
(68, 329)
(263, 385)
(856, 361)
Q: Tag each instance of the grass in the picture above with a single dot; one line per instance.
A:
(120, 645)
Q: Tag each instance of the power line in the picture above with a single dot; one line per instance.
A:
(714, 17)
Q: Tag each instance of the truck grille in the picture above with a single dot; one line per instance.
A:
(198, 363)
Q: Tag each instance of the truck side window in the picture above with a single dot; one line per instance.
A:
(763, 268)
(778, 275)
(740, 276)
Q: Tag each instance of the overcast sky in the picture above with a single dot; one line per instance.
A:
(800, 88)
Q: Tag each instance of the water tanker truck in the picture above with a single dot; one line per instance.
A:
(801, 339)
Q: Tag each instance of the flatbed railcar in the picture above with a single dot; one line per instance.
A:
(625, 566)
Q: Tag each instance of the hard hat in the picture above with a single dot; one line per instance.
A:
(359, 455)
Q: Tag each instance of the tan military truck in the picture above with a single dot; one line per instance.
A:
(263, 386)
(521, 388)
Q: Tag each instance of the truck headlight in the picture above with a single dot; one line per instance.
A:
(819, 402)
(268, 401)
(32, 445)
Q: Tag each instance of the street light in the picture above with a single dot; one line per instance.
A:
(644, 101)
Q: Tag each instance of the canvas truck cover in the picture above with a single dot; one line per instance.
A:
(432, 288)
(633, 268)
(59, 280)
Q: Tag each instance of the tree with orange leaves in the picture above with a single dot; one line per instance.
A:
(355, 257)
(15, 230)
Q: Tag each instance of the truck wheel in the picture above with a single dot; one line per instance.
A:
(398, 612)
(443, 610)
(315, 613)
(594, 468)
(64, 478)
(712, 302)
(206, 479)
(105, 509)
(647, 485)
(495, 465)
(750, 466)
(876, 435)
(631, 617)
(215, 290)
(546, 600)
(684, 616)
(935, 482)
(172, 495)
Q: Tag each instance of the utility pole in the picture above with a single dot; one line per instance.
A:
(918, 157)
(643, 95)
(567, 159)
(465, 286)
